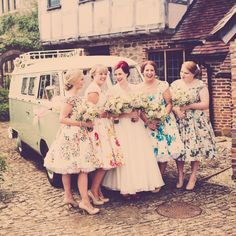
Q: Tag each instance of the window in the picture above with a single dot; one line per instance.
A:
(8, 5)
(3, 6)
(14, 4)
(49, 81)
(168, 64)
(54, 4)
(24, 86)
(31, 89)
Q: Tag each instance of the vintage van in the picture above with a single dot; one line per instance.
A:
(36, 91)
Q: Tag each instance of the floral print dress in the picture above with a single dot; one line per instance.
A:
(105, 142)
(195, 129)
(167, 144)
(72, 150)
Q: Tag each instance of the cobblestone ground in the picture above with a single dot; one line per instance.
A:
(30, 206)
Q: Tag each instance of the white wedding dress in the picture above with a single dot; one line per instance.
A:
(140, 171)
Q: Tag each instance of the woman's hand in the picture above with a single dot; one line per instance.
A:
(104, 114)
(134, 115)
(88, 124)
(179, 112)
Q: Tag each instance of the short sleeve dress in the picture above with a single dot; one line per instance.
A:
(104, 139)
(72, 150)
(195, 129)
(167, 144)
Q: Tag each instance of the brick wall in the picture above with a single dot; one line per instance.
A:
(221, 82)
(233, 92)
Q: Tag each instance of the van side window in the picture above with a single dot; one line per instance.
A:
(31, 89)
(24, 86)
(46, 81)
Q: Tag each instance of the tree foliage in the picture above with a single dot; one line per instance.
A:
(19, 31)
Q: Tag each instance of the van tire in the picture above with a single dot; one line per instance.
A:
(22, 148)
(53, 178)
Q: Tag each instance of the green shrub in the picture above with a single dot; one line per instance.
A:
(3, 167)
(4, 105)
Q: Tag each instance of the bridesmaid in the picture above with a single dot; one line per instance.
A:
(167, 143)
(194, 127)
(140, 171)
(72, 151)
(106, 145)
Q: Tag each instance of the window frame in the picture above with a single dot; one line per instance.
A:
(165, 58)
(51, 6)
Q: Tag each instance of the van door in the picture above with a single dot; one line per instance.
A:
(23, 109)
(48, 106)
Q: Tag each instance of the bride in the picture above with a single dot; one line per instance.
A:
(140, 171)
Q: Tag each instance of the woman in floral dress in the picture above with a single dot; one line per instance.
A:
(72, 150)
(167, 144)
(190, 98)
(105, 142)
(140, 171)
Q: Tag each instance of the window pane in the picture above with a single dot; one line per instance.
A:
(31, 86)
(24, 86)
(174, 62)
(53, 3)
(158, 57)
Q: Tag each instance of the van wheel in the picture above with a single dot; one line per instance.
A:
(22, 147)
(53, 178)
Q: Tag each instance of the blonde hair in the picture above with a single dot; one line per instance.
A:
(193, 67)
(71, 78)
(96, 68)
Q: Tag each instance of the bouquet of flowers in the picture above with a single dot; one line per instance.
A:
(87, 112)
(181, 98)
(139, 101)
(116, 106)
(154, 110)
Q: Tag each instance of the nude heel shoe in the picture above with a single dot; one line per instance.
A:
(89, 209)
(71, 203)
(95, 200)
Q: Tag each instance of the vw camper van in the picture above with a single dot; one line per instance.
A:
(36, 91)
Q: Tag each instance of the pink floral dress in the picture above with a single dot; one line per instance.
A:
(104, 139)
(72, 151)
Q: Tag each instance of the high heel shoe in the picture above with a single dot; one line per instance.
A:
(95, 200)
(104, 199)
(71, 203)
(156, 190)
(89, 209)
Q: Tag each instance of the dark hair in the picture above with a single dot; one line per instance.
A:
(193, 67)
(152, 63)
(124, 66)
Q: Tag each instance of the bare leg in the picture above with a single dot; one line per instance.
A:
(180, 168)
(96, 184)
(193, 177)
(67, 187)
(83, 189)
(162, 167)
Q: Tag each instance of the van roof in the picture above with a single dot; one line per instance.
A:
(64, 63)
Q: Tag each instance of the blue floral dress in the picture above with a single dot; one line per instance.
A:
(167, 144)
(72, 150)
(195, 129)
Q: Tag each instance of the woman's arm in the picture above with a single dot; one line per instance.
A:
(202, 105)
(167, 98)
(64, 117)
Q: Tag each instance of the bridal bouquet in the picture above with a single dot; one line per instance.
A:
(154, 110)
(139, 101)
(181, 98)
(87, 112)
(116, 106)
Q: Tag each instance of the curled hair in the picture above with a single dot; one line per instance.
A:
(152, 63)
(123, 65)
(97, 67)
(193, 67)
(71, 78)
